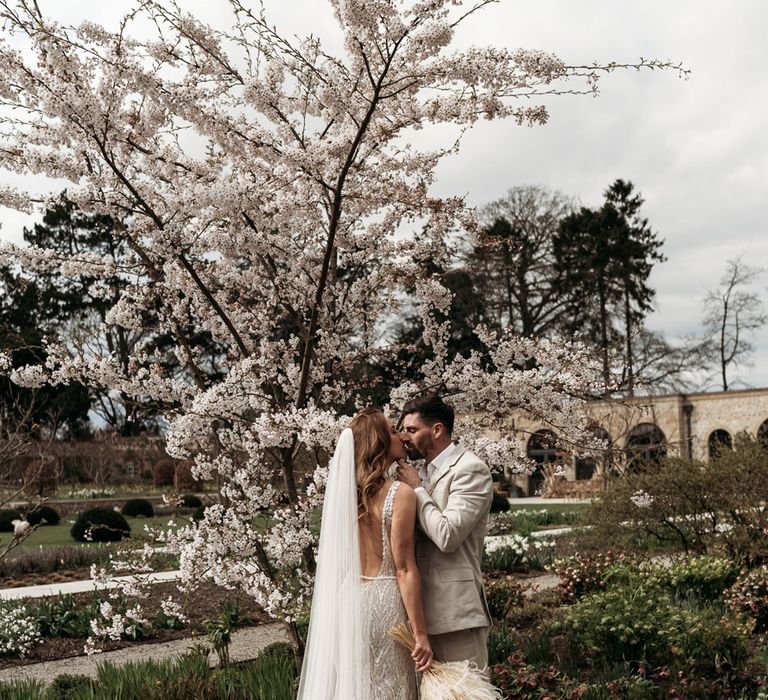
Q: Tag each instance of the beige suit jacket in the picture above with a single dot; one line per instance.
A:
(453, 518)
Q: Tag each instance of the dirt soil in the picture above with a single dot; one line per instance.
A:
(46, 578)
(201, 605)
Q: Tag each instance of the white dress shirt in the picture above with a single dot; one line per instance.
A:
(428, 471)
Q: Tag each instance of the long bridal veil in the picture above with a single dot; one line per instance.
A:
(336, 657)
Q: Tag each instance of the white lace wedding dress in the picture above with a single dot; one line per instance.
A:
(393, 675)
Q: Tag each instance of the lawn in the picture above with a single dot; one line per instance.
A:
(520, 504)
(54, 535)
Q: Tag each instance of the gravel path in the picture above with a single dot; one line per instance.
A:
(52, 589)
(247, 643)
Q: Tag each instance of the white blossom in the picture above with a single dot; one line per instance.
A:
(290, 233)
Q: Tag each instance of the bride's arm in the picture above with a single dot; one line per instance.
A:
(408, 578)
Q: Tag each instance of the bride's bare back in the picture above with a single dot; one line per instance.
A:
(402, 538)
(369, 528)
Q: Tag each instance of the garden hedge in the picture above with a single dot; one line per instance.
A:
(36, 516)
(104, 524)
(189, 500)
(138, 506)
(7, 515)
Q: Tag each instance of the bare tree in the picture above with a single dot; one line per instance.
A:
(516, 262)
(100, 458)
(731, 313)
(661, 365)
(25, 462)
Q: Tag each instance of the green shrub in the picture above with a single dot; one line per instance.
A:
(649, 625)
(100, 525)
(25, 689)
(526, 520)
(519, 680)
(704, 578)
(199, 513)
(62, 616)
(163, 472)
(501, 644)
(43, 513)
(749, 594)
(693, 506)
(70, 687)
(589, 573)
(502, 592)
(23, 561)
(189, 500)
(7, 516)
(499, 504)
(135, 507)
(270, 677)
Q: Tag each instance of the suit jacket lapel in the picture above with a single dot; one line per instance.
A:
(445, 468)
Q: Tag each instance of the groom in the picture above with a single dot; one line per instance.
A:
(454, 492)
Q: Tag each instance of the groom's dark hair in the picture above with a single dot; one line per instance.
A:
(432, 409)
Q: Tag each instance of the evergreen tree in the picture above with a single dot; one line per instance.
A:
(25, 317)
(604, 258)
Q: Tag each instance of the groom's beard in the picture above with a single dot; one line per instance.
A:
(413, 453)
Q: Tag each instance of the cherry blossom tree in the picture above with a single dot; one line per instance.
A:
(274, 195)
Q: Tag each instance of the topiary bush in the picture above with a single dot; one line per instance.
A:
(100, 525)
(189, 500)
(43, 513)
(7, 515)
(500, 504)
(138, 506)
(199, 513)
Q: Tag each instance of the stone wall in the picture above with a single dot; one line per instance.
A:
(686, 420)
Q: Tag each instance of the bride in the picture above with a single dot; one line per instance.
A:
(366, 581)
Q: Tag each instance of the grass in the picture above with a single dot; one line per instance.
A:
(270, 677)
(552, 508)
(58, 535)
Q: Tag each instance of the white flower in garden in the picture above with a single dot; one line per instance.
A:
(641, 499)
(18, 630)
(173, 610)
(20, 528)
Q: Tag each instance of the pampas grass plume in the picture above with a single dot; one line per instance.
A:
(452, 680)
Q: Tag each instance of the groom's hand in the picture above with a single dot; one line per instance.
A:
(407, 474)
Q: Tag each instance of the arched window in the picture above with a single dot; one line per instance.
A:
(719, 440)
(541, 449)
(762, 434)
(646, 444)
(587, 466)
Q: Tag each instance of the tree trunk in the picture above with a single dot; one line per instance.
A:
(628, 325)
(723, 362)
(604, 337)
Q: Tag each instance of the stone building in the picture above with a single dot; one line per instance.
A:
(693, 426)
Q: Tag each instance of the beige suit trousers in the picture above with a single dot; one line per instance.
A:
(463, 645)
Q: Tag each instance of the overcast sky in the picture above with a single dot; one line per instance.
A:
(696, 149)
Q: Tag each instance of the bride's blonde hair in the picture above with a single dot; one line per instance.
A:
(372, 437)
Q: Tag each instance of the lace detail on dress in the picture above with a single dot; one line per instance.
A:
(393, 676)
